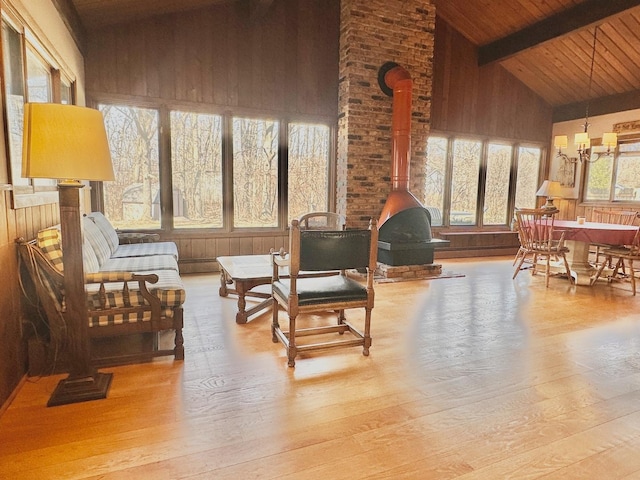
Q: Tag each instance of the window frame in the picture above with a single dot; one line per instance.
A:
(622, 139)
(164, 108)
(42, 192)
(485, 141)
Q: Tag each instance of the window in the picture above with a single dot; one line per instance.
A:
(475, 182)
(133, 199)
(496, 196)
(614, 178)
(225, 172)
(308, 169)
(29, 76)
(255, 173)
(196, 170)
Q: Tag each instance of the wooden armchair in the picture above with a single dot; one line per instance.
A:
(316, 251)
(619, 217)
(538, 241)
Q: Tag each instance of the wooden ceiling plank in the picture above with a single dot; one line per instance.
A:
(557, 25)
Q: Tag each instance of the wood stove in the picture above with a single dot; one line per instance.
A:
(404, 225)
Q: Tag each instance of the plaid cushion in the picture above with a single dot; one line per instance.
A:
(106, 228)
(146, 249)
(140, 264)
(49, 241)
(106, 320)
(169, 289)
(97, 240)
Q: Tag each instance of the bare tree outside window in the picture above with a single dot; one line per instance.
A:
(308, 169)
(196, 161)
(255, 172)
(464, 181)
(133, 199)
(436, 173)
(496, 194)
(528, 174)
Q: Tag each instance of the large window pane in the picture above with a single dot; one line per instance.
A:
(255, 172)
(435, 175)
(133, 199)
(527, 176)
(38, 79)
(628, 178)
(14, 89)
(464, 181)
(496, 194)
(196, 161)
(308, 169)
(599, 175)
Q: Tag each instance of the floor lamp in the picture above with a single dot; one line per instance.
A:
(69, 143)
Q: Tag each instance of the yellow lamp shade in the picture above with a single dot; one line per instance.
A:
(65, 142)
(560, 141)
(582, 140)
(610, 140)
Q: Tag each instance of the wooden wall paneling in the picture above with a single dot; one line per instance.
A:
(234, 246)
(221, 57)
(222, 247)
(123, 44)
(257, 34)
(243, 43)
(274, 80)
(198, 248)
(207, 46)
(210, 247)
(291, 64)
(245, 246)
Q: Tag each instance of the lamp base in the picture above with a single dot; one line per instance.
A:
(81, 389)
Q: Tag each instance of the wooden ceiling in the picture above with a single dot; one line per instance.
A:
(546, 44)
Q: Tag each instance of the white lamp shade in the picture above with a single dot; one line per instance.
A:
(65, 142)
(582, 140)
(610, 140)
(561, 141)
(549, 189)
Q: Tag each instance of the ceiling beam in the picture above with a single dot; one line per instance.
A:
(562, 23)
(71, 19)
(598, 106)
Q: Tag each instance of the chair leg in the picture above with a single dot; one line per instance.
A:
(274, 320)
(292, 351)
(547, 271)
(522, 259)
(367, 334)
(633, 277)
(566, 266)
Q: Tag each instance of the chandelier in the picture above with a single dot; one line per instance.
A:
(582, 140)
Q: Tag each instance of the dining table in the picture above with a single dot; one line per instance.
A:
(579, 236)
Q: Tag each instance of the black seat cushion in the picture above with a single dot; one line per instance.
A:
(323, 289)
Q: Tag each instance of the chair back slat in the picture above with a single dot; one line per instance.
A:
(322, 221)
(619, 217)
(535, 227)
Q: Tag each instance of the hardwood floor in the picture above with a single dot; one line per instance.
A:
(474, 377)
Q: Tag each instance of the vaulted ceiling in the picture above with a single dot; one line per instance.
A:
(546, 44)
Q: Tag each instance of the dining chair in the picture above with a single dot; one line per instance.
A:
(539, 242)
(620, 217)
(622, 255)
(318, 251)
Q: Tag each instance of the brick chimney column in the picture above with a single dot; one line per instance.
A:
(373, 32)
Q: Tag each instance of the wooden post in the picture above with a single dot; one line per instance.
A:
(84, 382)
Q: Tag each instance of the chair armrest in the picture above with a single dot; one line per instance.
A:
(279, 260)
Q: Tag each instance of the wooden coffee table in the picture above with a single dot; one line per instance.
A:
(241, 273)
(245, 272)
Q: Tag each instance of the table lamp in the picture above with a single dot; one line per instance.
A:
(69, 143)
(550, 190)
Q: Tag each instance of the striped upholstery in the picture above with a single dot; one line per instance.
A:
(90, 262)
(106, 228)
(146, 249)
(49, 241)
(140, 264)
(97, 240)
